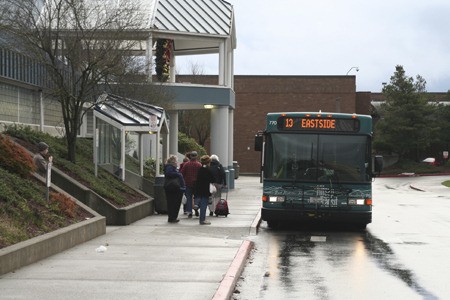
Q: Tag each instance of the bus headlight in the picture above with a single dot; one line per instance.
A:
(277, 198)
(267, 198)
(360, 201)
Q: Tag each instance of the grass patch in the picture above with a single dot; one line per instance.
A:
(25, 212)
(446, 183)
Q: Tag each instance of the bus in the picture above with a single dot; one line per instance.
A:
(317, 166)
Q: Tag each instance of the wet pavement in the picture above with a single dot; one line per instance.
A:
(401, 255)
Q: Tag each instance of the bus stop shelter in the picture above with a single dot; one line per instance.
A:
(125, 130)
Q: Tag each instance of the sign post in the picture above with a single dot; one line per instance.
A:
(48, 180)
(153, 123)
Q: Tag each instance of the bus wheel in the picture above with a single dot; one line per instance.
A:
(361, 226)
(272, 224)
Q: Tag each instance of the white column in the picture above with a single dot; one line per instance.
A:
(219, 133)
(157, 154)
(165, 147)
(172, 71)
(173, 132)
(222, 60)
(230, 63)
(230, 181)
(230, 136)
(149, 57)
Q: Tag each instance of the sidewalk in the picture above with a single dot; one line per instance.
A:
(150, 259)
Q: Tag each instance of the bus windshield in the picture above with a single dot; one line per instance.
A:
(317, 157)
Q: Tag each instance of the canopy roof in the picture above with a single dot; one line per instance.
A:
(212, 17)
(206, 18)
(131, 114)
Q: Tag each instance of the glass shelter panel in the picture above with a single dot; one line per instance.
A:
(132, 152)
(109, 146)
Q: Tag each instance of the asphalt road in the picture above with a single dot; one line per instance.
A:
(403, 254)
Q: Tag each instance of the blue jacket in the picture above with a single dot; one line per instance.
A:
(171, 171)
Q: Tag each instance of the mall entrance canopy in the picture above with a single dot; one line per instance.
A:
(122, 127)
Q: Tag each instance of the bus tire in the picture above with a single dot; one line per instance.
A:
(361, 226)
(272, 224)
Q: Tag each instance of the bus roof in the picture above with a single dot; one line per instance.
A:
(317, 113)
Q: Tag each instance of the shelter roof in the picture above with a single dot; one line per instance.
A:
(207, 19)
(194, 16)
(129, 112)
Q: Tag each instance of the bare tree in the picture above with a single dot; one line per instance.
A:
(83, 45)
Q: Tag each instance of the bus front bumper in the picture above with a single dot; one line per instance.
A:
(296, 215)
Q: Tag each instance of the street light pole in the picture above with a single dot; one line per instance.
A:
(356, 68)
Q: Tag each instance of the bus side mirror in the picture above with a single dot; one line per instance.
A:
(258, 142)
(378, 163)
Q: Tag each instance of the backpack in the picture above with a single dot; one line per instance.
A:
(222, 208)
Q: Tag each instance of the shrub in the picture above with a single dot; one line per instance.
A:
(187, 144)
(23, 132)
(14, 159)
(65, 203)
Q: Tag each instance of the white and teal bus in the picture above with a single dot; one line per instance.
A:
(317, 166)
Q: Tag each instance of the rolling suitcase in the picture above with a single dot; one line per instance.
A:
(222, 207)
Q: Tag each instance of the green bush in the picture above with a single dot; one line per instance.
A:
(409, 166)
(187, 144)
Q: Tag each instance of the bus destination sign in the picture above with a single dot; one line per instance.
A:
(318, 124)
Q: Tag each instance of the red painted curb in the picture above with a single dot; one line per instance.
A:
(412, 175)
(230, 279)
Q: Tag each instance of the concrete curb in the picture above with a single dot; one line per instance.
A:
(38, 248)
(114, 215)
(412, 175)
(228, 283)
(255, 225)
(226, 287)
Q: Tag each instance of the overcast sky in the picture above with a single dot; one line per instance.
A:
(329, 37)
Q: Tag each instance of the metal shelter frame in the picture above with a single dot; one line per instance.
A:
(114, 118)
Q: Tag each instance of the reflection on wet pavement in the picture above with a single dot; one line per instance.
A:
(300, 250)
(385, 257)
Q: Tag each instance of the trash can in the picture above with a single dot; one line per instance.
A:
(160, 195)
(236, 169)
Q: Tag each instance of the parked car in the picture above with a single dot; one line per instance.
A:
(431, 161)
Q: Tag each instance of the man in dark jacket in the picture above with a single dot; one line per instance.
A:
(189, 171)
(220, 181)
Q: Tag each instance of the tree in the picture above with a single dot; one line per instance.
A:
(406, 127)
(442, 138)
(81, 44)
